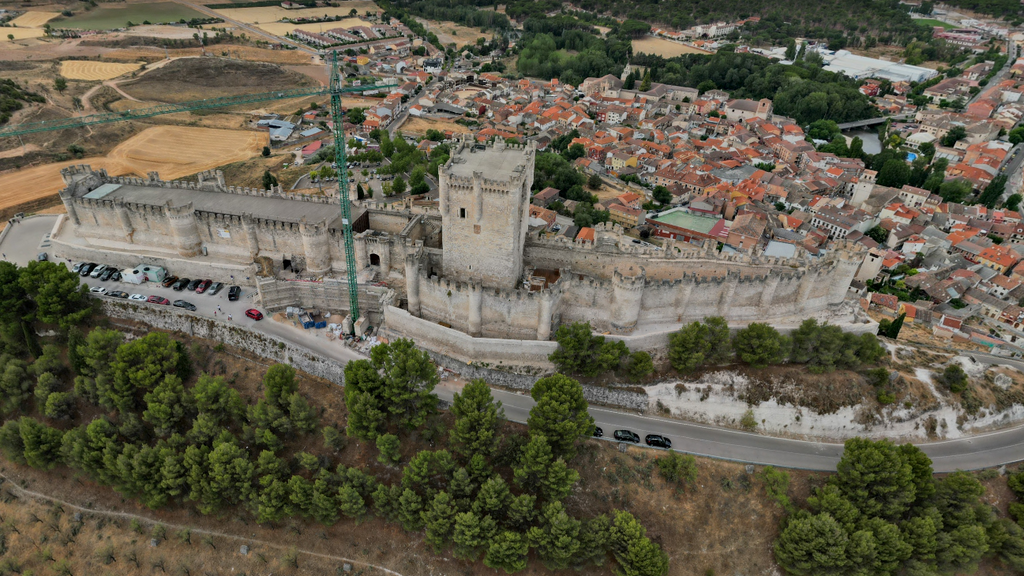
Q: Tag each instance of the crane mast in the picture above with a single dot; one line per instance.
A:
(337, 114)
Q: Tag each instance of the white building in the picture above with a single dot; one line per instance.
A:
(859, 67)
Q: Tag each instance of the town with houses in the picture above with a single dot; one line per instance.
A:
(748, 179)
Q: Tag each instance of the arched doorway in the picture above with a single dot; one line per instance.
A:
(374, 260)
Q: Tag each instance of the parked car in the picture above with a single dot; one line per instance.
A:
(254, 314)
(657, 441)
(117, 294)
(215, 287)
(98, 271)
(185, 304)
(98, 290)
(116, 276)
(598, 433)
(203, 286)
(86, 269)
(154, 299)
(77, 267)
(107, 274)
(42, 257)
(193, 285)
(234, 293)
(169, 281)
(137, 297)
(180, 284)
(627, 436)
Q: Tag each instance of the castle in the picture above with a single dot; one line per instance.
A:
(468, 261)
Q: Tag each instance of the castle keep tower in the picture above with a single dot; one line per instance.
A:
(484, 201)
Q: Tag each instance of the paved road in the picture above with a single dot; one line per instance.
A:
(981, 451)
(248, 27)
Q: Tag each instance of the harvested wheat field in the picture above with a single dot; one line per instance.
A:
(421, 125)
(91, 70)
(33, 19)
(173, 151)
(664, 48)
(177, 151)
(28, 25)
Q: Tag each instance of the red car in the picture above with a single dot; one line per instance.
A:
(254, 314)
(158, 300)
(203, 286)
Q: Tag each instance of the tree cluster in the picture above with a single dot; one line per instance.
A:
(821, 347)
(885, 513)
(581, 352)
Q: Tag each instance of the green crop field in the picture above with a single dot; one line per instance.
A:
(929, 22)
(107, 17)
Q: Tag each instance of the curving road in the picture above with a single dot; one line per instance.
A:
(25, 240)
(972, 453)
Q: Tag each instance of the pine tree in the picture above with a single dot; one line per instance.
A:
(409, 507)
(633, 550)
(557, 538)
(521, 511)
(477, 416)
(537, 472)
(351, 503)
(507, 552)
(439, 519)
(560, 414)
(493, 498)
(467, 536)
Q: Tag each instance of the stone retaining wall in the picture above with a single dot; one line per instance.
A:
(265, 345)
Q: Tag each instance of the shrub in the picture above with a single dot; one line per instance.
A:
(776, 485)
(748, 421)
(676, 467)
(954, 378)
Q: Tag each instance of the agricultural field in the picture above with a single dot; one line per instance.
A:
(108, 17)
(421, 125)
(92, 70)
(28, 25)
(449, 32)
(266, 14)
(282, 28)
(664, 48)
(173, 151)
(197, 78)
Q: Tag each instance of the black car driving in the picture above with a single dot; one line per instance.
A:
(658, 441)
(185, 304)
(627, 436)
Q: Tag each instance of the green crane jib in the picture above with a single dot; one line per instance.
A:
(335, 91)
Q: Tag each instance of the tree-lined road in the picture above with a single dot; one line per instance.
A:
(22, 243)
